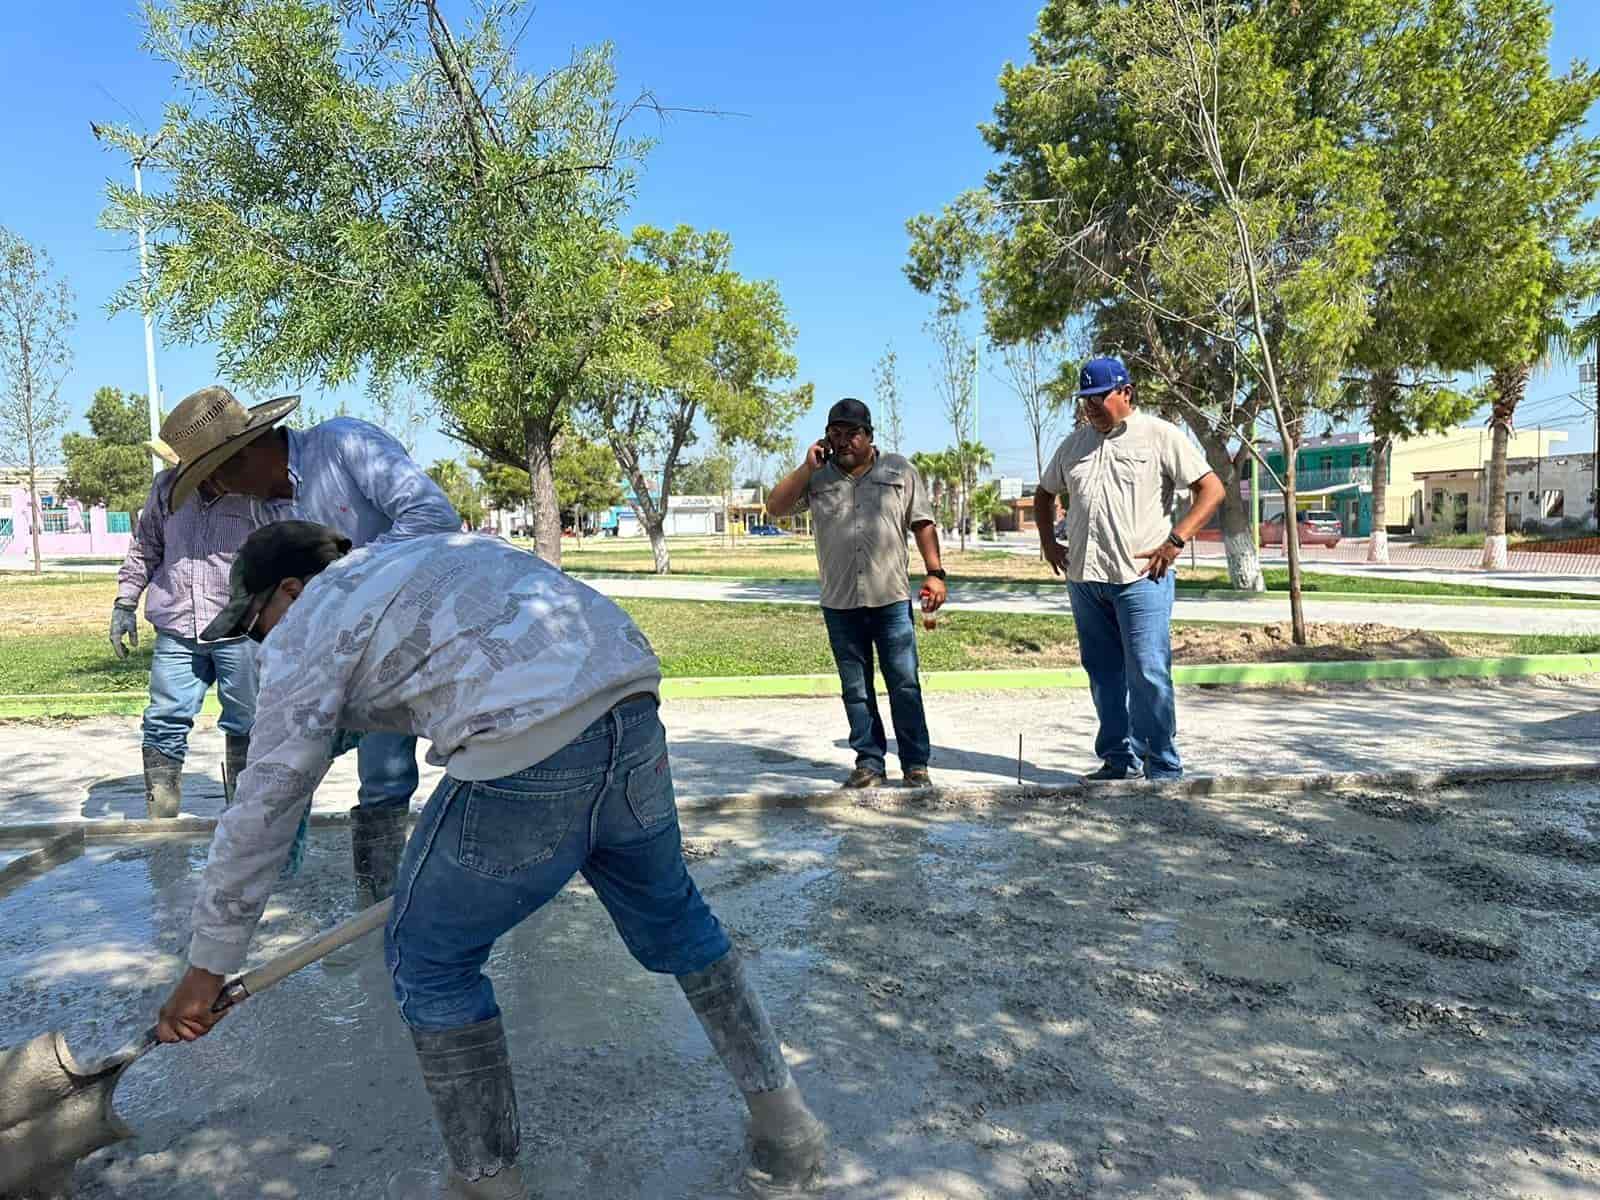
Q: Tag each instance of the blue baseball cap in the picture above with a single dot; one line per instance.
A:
(1102, 375)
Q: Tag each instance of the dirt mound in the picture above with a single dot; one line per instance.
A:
(1325, 643)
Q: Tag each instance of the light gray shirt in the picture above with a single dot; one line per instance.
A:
(490, 653)
(357, 478)
(861, 524)
(1120, 487)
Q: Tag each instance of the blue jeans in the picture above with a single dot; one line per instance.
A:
(1125, 642)
(485, 856)
(386, 764)
(854, 633)
(180, 672)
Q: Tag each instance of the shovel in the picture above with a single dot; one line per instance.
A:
(54, 1110)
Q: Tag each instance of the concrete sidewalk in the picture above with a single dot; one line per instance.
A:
(975, 596)
(89, 769)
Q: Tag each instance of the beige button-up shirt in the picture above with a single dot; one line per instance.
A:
(1120, 488)
(861, 525)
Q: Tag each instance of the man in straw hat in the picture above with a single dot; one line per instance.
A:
(354, 477)
(539, 698)
(179, 560)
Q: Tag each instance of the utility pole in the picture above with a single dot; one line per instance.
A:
(1589, 373)
(153, 392)
(1538, 476)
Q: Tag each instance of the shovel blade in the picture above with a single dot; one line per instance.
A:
(53, 1111)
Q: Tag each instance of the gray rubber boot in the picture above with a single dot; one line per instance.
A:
(787, 1142)
(467, 1072)
(163, 784)
(377, 840)
(237, 749)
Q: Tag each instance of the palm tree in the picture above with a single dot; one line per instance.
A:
(987, 505)
(1508, 383)
(938, 471)
(970, 458)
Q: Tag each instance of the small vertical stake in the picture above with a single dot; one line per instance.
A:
(1019, 760)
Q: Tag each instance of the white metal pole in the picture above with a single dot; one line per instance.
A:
(154, 393)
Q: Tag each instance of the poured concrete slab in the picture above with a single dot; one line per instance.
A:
(1368, 993)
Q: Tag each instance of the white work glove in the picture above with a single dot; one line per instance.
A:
(124, 623)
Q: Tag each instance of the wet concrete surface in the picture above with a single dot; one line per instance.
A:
(1354, 994)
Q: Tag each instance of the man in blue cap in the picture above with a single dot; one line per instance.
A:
(1120, 472)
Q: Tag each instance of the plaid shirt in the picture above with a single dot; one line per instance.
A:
(180, 560)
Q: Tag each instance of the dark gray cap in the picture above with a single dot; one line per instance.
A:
(273, 553)
(851, 411)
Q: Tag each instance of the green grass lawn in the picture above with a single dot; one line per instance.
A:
(696, 638)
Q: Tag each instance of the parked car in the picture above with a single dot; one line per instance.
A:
(767, 531)
(1318, 527)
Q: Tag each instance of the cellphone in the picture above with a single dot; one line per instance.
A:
(827, 448)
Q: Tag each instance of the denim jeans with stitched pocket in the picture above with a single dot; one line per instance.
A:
(487, 855)
(853, 634)
(1125, 643)
(181, 669)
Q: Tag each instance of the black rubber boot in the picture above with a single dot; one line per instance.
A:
(467, 1072)
(236, 750)
(786, 1143)
(377, 840)
(163, 784)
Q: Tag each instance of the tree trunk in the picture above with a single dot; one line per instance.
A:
(644, 505)
(1291, 531)
(1244, 559)
(1509, 385)
(1384, 393)
(1378, 543)
(33, 511)
(544, 507)
(655, 526)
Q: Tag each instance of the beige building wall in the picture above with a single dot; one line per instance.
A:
(1464, 448)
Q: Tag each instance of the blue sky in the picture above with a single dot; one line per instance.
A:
(856, 117)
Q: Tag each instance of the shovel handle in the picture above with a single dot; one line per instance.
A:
(302, 955)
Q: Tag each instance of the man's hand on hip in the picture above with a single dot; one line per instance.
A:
(1160, 560)
(124, 624)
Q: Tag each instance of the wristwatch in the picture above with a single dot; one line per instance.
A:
(939, 574)
(1176, 540)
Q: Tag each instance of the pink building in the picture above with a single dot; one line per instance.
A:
(67, 529)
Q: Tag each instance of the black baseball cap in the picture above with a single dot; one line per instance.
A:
(273, 553)
(850, 411)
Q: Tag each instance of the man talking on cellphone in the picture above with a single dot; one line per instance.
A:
(863, 502)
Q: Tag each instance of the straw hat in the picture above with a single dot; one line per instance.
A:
(209, 427)
(162, 451)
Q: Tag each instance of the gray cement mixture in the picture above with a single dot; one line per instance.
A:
(1357, 994)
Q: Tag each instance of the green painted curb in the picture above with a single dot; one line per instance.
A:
(714, 687)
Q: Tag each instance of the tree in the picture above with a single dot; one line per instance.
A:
(403, 414)
(1031, 369)
(940, 472)
(1159, 179)
(455, 481)
(355, 187)
(886, 386)
(586, 478)
(955, 377)
(712, 354)
(110, 466)
(35, 318)
(987, 506)
(710, 475)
